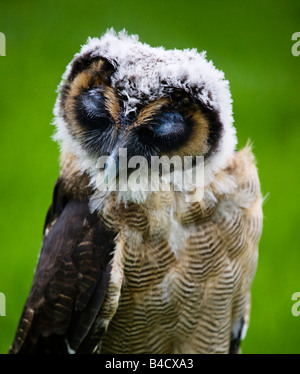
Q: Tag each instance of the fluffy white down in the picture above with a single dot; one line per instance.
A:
(143, 74)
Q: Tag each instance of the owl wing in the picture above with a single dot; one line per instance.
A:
(70, 281)
(242, 231)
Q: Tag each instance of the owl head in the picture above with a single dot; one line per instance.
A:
(118, 93)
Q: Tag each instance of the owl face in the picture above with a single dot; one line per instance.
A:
(118, 93)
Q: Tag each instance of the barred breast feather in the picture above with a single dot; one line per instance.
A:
(184, 286)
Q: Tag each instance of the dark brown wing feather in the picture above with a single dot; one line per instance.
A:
(70, 281)
(236, 338)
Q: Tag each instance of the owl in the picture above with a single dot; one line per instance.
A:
(144, 270)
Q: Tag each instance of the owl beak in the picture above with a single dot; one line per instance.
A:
(114, 165)
(111, 168)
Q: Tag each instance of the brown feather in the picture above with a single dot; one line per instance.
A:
(187, 300)
(70, 280)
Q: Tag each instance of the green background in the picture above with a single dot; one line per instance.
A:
(249, 40)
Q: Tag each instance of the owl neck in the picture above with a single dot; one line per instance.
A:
(144, 209)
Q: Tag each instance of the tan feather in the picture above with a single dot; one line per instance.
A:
(187, 302)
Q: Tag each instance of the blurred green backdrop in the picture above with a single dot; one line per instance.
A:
(249, 40)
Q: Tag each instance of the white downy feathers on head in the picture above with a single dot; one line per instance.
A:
(144, 74)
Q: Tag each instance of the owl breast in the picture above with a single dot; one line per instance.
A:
(186, 274)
